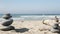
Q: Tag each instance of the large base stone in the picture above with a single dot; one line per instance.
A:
(8, 28)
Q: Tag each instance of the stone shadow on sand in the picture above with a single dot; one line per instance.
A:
(22, 30)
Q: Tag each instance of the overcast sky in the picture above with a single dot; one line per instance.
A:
(30, 6)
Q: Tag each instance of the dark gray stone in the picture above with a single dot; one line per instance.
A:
(7, 16)
(8, 28)
(7, 23)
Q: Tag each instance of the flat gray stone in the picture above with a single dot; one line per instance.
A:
(8, 22)
(8, 28)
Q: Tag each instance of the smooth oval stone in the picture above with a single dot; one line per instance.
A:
(7, 23)
(56, 26)
(7, 16)
(8, 28)
(54, 30)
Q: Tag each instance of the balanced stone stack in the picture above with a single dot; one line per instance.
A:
(7, 23)
(56, 26)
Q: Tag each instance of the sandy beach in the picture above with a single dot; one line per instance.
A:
(30, 27)
(29, 16)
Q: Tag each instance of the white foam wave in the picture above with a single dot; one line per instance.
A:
(33, 17)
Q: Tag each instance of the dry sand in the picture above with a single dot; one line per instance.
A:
(30, 27)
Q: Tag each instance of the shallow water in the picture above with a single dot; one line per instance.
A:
(31, 16)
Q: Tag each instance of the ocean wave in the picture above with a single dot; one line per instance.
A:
(33, 17)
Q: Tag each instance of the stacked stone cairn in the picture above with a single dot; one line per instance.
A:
(56, 27)
(7, 23)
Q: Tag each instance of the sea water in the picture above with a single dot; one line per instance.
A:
(31, 16)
